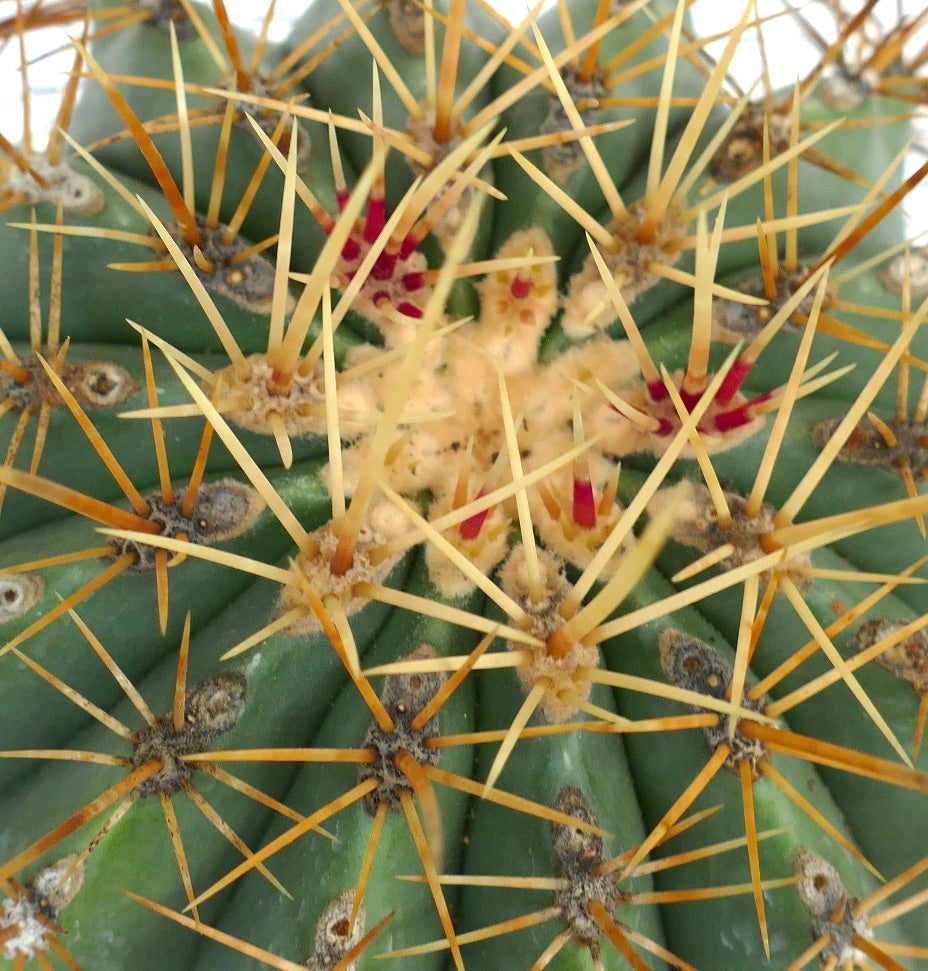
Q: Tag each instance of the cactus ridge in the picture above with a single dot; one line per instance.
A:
(463, 419)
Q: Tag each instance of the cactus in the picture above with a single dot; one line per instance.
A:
(472, 519)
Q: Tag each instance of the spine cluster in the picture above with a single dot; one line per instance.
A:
(461, 503)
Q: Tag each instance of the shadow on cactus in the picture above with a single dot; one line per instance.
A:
(462, 449)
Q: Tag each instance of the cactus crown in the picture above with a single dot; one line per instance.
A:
(539, 371)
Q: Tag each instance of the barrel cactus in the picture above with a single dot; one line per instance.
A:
(462, 501)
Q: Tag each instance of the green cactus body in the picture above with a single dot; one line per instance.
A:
(97, 121)
(625, 149)
(521, 649)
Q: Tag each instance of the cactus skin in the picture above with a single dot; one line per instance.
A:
(299, 694)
